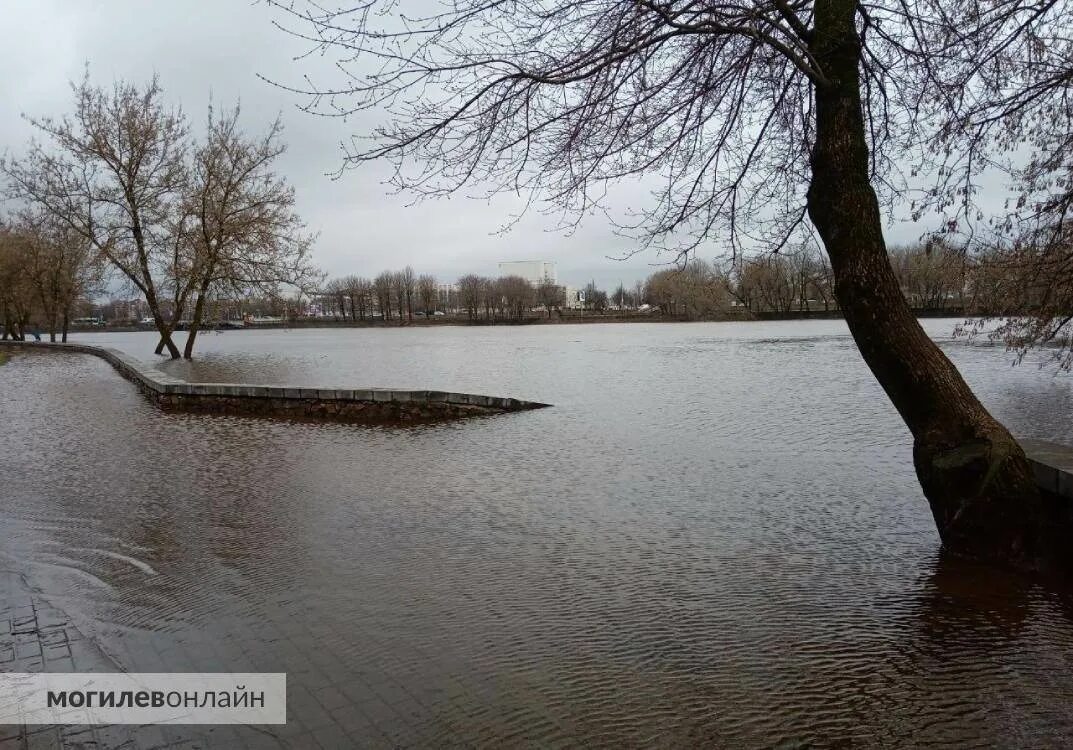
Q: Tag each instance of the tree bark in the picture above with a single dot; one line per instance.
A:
(177, 315)
(974, 474)
(163, 328)
(147, 286)
(195, 321)
(165, 336)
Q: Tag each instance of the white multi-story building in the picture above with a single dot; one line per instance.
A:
(447, 295)
(535, 272)
(574, 299)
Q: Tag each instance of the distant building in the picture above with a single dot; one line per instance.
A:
(574, 298)
(447, 297)
(535, 272)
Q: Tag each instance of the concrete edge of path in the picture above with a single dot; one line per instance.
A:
(370, 405)
(1052, 464)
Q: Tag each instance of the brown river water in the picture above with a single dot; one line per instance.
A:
(714, 538)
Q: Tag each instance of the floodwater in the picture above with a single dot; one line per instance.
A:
(714, 538)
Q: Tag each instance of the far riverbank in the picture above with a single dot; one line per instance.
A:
(567, 318)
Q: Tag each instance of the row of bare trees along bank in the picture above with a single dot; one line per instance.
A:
(46, 271)
(1015, 284)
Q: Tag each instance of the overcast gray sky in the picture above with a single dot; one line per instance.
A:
(219, 46)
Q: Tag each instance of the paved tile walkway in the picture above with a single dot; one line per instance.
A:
(36, 637)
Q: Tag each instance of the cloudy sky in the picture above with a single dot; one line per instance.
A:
(218, 47)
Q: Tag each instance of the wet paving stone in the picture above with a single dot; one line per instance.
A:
(36, 637)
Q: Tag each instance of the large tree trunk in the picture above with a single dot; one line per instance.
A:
(195, 322)
(164, 329)
(974, 474)
(162, 344)
(165, 339)
(149, 289)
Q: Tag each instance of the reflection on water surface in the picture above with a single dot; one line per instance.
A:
(714, 538)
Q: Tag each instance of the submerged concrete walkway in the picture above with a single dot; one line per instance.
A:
(37, 637)
(365, 405)
(1053, 466)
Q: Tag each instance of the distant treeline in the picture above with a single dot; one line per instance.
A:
(934, 277)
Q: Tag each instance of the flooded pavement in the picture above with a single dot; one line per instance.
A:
(714, 538)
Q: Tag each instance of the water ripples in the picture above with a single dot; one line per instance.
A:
(711, 540)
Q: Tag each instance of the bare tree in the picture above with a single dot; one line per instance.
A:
(638, 293)
(62, 268)
(115, 174)
(823, 282)
(779, 283)
(693, 291)
(933, 276)
(398, 290)
(759, 117)
(334, 295)
(16, 287)
(801, 265)
(408, 289)
(774, 281)
(383, 286)
(518, 296)
(660, 291)
(471, 294)
(1007, 106)
(550, 296)
(241, 229)
(358, 290)
(1025, 290)
(595, 298)
(427, 294)
(745, 283)
(491, 298)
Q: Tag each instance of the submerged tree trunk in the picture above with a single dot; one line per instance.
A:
(165, 339)
(195, 321)
(148, 288)
(164, 329)
(974, 474)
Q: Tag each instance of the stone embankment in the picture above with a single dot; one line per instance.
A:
(366, 405)
(1052, 464)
